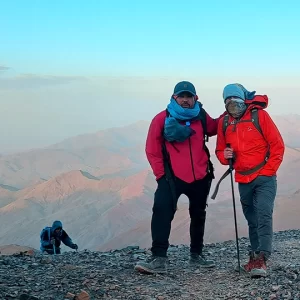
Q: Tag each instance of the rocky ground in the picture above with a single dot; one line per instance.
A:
(110, 275)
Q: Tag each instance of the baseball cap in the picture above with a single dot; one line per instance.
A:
(184, 86)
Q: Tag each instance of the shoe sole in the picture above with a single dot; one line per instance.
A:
(257, 273)
(145, 270)
(202, 266)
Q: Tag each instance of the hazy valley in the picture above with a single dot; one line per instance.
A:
(101, 187)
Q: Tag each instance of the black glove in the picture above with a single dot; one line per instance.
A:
(74, 246)
(52, 241)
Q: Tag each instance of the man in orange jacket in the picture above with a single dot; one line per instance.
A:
(176, 151)
(248, 136)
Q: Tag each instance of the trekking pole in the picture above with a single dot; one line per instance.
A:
(54, 249)
(234, 212)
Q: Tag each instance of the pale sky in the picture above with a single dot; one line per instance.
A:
(72, 67)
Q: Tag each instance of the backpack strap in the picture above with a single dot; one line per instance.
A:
(203, 120)
(169, 174)
(255, 121)
(225, 123)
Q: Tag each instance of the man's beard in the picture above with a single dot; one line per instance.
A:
(185, 105)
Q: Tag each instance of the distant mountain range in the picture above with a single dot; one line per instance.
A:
(101, 187)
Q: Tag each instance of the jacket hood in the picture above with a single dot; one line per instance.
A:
(259, 102)
(56, 224)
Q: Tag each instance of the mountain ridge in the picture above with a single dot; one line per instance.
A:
(104, 194)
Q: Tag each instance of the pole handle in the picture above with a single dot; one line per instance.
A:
(230, 159)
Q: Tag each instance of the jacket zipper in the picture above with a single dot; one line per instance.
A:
(191, 155)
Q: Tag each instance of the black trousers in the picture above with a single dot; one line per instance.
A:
(163, 213)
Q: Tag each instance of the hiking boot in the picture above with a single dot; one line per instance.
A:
(200, 260)
(249, 266)
(259, 268)
(154, 264)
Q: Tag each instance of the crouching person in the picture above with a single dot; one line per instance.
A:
(51, 238)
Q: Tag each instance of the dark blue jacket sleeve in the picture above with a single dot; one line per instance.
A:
(66, 239)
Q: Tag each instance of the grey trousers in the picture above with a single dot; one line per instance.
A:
(257, 199)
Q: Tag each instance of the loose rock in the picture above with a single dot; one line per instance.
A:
(89, 275)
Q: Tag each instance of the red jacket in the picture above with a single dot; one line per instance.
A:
(188, 159)
(249, 146)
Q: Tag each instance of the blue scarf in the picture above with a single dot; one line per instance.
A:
(181, 113)
(173, 130)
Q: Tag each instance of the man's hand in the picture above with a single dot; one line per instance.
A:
(52, 241)
(74, 246)
(228, 153)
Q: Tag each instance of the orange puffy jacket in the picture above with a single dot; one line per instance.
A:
(249, 145)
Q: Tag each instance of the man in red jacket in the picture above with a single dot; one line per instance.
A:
(249, 137)
(179, 159)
